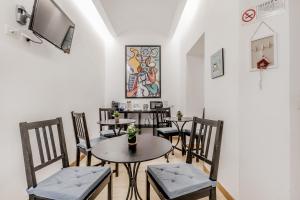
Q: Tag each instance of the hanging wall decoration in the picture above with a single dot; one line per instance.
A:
(143, 71)
(217, 64)
(263, 50)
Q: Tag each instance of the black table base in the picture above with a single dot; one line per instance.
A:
(182, 136)
(132, 170)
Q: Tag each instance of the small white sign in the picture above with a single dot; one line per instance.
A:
(270, 8)
(264, 10)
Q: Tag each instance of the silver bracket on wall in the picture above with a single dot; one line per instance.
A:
(22, 15)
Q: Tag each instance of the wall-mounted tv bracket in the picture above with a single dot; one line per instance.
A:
(22, 15)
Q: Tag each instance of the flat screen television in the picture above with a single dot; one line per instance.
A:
(50, 22)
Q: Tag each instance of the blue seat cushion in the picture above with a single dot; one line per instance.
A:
(110, 133)
(179, 179)
(93, 142)
(168, 131)
(73, 183)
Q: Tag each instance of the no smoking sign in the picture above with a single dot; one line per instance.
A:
(249, 15)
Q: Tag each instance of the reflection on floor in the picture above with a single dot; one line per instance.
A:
(120, 184)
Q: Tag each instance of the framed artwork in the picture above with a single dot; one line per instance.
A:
(143, 71)
(217, 64)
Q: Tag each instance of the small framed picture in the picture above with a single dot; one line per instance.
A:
(217, 64)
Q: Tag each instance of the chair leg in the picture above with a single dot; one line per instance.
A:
(117, 170)
(147, 188)
(77, 157)
(89, 159)
(213, 194)
(167, 157)
(110, 189)
(171, 140)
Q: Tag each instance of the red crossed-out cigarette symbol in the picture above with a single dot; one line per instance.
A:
(249, 15)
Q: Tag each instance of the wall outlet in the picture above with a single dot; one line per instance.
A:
(11, 31)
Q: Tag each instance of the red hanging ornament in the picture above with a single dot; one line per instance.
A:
(263, 63)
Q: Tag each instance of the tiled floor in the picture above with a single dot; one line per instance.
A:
(120, 184)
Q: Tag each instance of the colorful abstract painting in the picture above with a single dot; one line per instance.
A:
(143, 71)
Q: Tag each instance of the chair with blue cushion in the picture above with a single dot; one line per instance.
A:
(164, 128)
(83, 142)
(107, 131)
(47, 140)
(184, 181)
(199, 134)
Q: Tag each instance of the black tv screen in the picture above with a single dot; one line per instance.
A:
(50, 22)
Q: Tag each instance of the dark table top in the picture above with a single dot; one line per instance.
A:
(116, 149)
(138, 111)
(175, 119)
(113, 122)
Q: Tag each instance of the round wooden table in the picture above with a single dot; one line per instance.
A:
(116, 150)
(121, 124)
(176, 122)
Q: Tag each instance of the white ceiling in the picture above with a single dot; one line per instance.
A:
(129, 16)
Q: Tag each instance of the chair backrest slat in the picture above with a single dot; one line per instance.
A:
(30, 167)
(80, 128)
(208, 141)
(203, 137)
(46, 143)
(52, 141)
(39, 142)
(207, 129)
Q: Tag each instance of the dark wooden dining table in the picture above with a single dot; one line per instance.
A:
(121, 124)
(116, 150)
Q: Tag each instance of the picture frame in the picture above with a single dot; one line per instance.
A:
(142, 71)
(217, 64)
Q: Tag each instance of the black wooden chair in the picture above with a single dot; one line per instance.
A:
(184, 181)
(68, 183)
(164, 128)
(107, 131)
(83, 143)
(199, 133)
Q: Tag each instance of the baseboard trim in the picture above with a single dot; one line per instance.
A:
(222, 189)
(73, 164)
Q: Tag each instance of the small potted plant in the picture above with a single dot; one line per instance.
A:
(131, 132)
(179, 115)
(116, 115)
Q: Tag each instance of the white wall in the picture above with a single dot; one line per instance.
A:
(40, 82)
(115, 72)
(295, 98)
(194, 84)
(256, 129)
(218, 20)
(264, 117)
